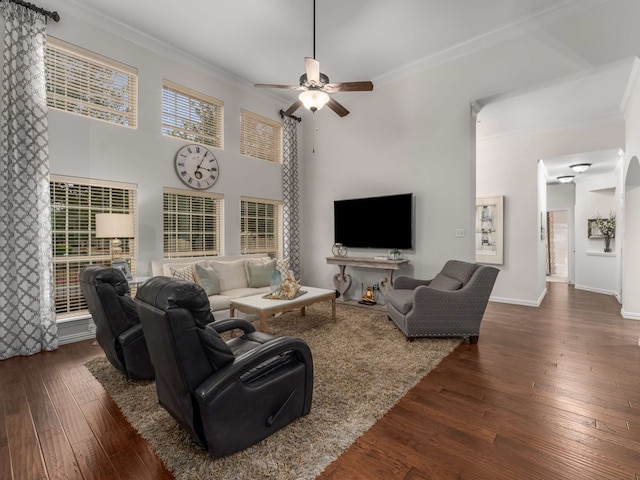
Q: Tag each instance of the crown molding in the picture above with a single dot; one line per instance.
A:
(519, 134)
(566, 9)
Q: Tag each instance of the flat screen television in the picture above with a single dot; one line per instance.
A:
(374, 222)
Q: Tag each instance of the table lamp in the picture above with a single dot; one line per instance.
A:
(114, 226)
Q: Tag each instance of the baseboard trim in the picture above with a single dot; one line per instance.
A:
(519, 301)
(629, 315)
(596, 290)
(71, 330)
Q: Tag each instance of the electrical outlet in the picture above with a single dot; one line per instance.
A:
(459, 232)
(375, 286)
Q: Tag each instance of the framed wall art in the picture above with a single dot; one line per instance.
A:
(489, 238)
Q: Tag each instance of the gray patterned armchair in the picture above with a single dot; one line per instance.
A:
(451, 304)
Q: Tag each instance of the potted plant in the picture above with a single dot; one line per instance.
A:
(607, 227)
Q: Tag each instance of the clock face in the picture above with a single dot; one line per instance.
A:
(197, 167)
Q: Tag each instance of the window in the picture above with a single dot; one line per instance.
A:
(260, 227)
(191, 115)
(85, 83)
(192, 223)
(260, 137)
(74, 204)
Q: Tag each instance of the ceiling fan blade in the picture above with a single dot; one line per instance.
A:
(337, 107)
(312, 68)
(348, 87)
(293, 107)
(269, 85)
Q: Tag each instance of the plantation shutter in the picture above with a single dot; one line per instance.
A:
(88, 84)
(261, 227)
(74, 205)
(192, 223)
(191, 116)
(260, 137)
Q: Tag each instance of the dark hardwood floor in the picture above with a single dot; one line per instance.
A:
(550, 392)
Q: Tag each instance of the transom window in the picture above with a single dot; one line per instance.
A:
(260, 137)
(261, 227)
(88, 84)
(191, 116)
(74, 205)
(192, 223)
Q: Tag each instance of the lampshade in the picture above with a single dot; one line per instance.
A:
(565, 178)
(314, 99)
(114, 225)
(580, 167)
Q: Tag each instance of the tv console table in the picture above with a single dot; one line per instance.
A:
(342, 280)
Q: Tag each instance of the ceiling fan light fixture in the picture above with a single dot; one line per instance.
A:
(565, 178)
(313, 99)
(580, 167)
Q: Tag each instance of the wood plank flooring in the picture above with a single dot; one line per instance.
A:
(550, 392)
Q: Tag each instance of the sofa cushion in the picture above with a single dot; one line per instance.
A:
(445, 282)
(219, 302)
(218, 352)
(402, 300)
(185, 273)
(208, 279)
(260, 274)
(231, 274)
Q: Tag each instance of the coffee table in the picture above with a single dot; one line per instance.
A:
(265, 307)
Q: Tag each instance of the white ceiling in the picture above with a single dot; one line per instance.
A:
(265, 41)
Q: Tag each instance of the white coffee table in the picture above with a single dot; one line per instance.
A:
(264, 307)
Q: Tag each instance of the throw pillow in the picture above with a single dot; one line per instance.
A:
(231, 274)
(185, 273)
(444, 282)
(218, 352)
(207, 278)
(260, 275)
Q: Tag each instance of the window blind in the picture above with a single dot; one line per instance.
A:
(260, 137)
(74, 205)
(192, 223)
(261, 227)
(88, 84)
(191, 115)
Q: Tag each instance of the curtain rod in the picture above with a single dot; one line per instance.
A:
(282, 114)
(53, 15)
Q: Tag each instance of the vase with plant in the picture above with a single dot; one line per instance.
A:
(607, 227)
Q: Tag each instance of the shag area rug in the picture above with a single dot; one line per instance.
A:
(362, 366)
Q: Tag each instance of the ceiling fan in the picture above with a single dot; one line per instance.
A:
(315, 86)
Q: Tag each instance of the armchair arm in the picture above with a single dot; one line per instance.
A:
(130, 334)
(224, 377)
(407, 283)
(230, 323)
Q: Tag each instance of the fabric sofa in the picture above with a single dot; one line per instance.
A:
(223, 278)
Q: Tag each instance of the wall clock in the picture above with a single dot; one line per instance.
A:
(197, 167)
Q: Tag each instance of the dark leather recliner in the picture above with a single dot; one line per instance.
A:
(227, 395)
(118, 328)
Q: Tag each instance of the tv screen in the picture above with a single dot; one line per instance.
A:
(374, 222)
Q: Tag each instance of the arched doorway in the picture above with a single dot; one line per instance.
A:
(631, 247)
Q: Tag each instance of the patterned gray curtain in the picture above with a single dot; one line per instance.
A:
(291, 202)
(27, 309)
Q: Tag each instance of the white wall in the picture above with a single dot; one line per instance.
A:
(413, 134)
(595, 270)
(89, 148)
(630, 251)
(508, 165)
